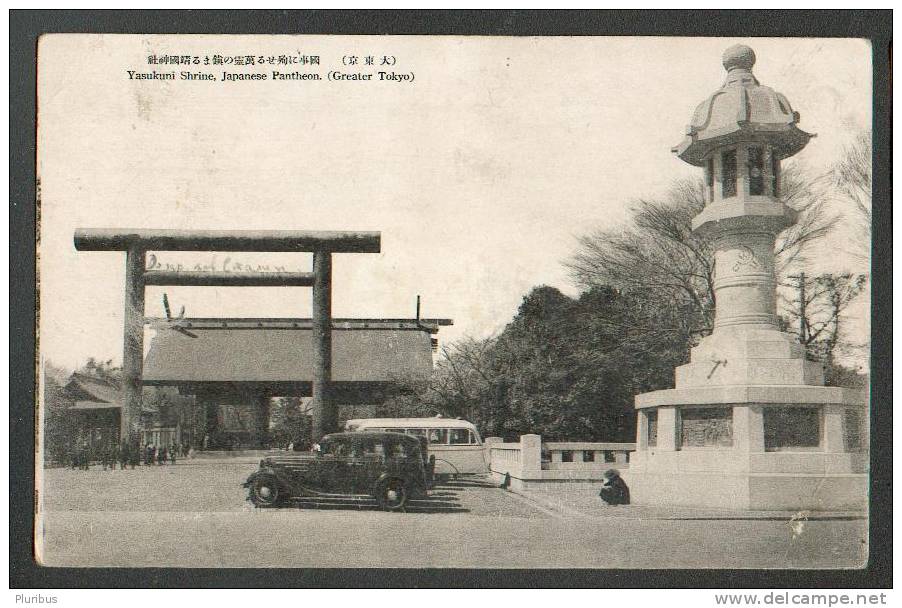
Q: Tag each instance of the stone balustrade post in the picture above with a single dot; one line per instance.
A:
(642, 431)
(487, 444)
(531, 456)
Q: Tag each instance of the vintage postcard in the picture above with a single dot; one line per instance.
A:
(453, 301)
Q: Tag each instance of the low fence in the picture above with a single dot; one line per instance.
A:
(530, 464)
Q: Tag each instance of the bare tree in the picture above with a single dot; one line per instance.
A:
(462, 382)
(815, 221)
(658, 254)
(815, 313)
(850, 180)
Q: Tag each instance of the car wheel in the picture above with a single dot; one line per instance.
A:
(392, 495)
(265, 492)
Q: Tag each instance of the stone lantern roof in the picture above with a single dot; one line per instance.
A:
(742, 110)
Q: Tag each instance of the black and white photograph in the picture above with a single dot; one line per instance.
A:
(453, 302)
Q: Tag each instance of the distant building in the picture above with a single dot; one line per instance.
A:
(96, 407)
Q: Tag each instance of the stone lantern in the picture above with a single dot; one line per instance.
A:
(750, 424)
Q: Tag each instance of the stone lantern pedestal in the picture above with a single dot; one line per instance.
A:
(750, 424)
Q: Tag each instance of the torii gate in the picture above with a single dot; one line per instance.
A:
(136, 244)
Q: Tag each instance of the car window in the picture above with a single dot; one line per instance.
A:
(399, 451)
(439, 436)
(335, 448)
(374, 449)
(460, 437)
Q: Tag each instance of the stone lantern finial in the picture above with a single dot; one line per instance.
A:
(738, 56)
(741, 110)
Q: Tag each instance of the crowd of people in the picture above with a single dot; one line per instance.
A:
(127, 455)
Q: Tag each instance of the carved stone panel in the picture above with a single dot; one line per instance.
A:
(786, 428)
(652, 428)
(706, 427)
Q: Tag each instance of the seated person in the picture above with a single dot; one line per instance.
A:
(614, 490)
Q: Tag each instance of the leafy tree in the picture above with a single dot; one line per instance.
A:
(104, 370)
(557, 369)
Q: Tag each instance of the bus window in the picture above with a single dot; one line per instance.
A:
(461, 437)
(439, 436)
(416, 432)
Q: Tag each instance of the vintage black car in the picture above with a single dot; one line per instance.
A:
(390, 467)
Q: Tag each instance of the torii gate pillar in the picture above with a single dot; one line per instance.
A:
(132, 343)
(325, 415)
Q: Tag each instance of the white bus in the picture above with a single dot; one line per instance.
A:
(456, 444)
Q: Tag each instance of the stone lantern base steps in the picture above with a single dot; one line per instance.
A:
(743, 356)
(746, 370)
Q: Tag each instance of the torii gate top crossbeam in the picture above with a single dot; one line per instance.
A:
(119, 239)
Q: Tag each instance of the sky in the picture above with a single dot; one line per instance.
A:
(480, 173)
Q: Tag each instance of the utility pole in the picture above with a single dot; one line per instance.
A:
(803, 319)
(803, 308)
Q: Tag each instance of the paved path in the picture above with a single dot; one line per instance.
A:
(588, 505)
(216, 487)
(196, 516)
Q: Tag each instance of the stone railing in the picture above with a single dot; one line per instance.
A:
(528, 464)
(578, 455)
(504, 458)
